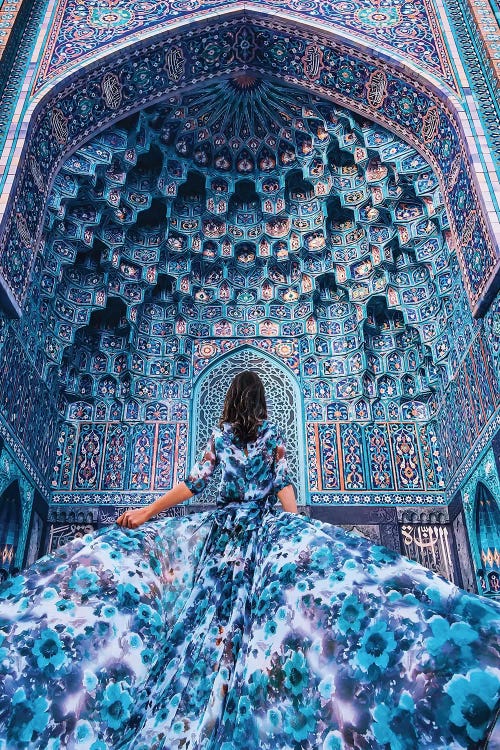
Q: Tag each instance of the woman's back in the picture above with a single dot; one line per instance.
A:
(250, 471)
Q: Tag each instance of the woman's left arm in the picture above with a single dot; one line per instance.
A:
(131, 519)
(195, 482)
(286, 496)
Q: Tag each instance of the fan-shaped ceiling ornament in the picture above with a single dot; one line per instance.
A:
(247, 125)
(249, 209)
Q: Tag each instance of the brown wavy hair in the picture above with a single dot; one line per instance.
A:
(245, 405)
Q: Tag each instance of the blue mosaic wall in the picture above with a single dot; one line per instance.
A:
(147, 456)
(28, 425)
(27, 405)
(120, 455)
(470, 402)
(300, 234)
(321, 239)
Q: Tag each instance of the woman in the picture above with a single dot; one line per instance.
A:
(247, 626)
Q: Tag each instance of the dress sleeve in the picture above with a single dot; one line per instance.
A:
(203, 469)
(281, 476)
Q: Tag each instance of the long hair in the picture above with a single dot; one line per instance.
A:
(245, 405)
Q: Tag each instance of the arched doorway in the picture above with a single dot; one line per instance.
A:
(10, 525)
(284, 401)
(488, 540)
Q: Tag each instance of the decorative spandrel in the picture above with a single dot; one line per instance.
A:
(98, 29)
(282, 403)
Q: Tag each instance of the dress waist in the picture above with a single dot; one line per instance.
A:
(268, 501)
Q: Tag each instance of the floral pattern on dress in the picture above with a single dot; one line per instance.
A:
(249, 472)
(242, 627)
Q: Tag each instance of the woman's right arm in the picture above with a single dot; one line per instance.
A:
(286, 496)
(176, 495)
(195, 482)
(282, 485)
(131, 519)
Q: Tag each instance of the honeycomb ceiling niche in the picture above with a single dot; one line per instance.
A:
(253, 211)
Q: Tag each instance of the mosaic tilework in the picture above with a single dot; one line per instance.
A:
(129, 308)
(433, 465)
(386, 456)
(207, 350)
(328, 465)
(353, 458)
(476, 32)
(350, 78)
(408, 461)
(167, 244)
(411, 31)
(348, 459)
(492, 337)
(26, 403)
(165, 458)
(483, 489)
(487, 27)
(488, 437)
(346, 499)
(379, 453)
(8, 14)
(24, 464)
(65, 455)
(15, 58)
(471, 402)
(98, 456)
(107, 505)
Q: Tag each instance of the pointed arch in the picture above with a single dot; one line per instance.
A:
(284, 401)
(441, 133)
(487, 527)
(10, 474)
(11, 523)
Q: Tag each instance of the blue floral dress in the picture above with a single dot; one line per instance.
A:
(242, 627)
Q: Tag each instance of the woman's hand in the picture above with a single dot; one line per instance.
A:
(131, 519)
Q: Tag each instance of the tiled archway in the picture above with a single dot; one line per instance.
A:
(284, 402)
